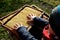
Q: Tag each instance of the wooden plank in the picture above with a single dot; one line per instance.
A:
(20, 17)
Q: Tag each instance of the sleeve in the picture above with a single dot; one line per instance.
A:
(24, 34)
(40, 22)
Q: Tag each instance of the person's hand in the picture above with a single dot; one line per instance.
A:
(30, 18)
(17, 25)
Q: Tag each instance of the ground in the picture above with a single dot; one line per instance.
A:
(7, 6)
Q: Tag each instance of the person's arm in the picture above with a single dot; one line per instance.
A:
(36, 21)
(24, 34)
(39, 22)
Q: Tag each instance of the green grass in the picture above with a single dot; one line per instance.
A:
(4, 34)
(52, 2)
(7, 6)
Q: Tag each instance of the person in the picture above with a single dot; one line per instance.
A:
(35, 22)
(54, 21)
(53, 24)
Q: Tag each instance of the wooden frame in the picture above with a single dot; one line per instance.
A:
(14, 14)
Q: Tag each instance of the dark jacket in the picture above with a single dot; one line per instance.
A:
(25, 35)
